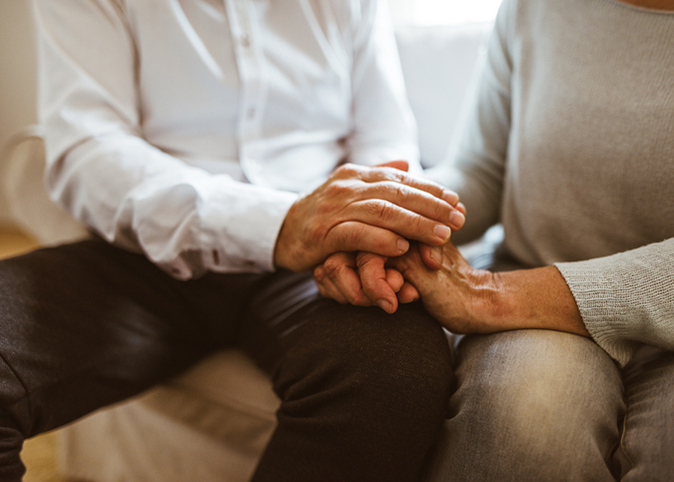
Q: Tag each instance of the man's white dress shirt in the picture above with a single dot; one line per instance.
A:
(185, 128)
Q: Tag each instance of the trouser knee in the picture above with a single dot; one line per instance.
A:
(535, 405)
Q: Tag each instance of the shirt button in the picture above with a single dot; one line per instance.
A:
(251, 112)
(245, 41)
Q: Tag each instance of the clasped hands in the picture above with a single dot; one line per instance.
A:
(354, 232)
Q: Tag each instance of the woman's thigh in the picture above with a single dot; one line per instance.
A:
(648, 428)
(531, 405)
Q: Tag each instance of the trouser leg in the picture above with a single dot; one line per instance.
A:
(531, 405)
(86, 325)
(647, 440)
(363, 393)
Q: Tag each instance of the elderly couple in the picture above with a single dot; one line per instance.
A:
(181, 131)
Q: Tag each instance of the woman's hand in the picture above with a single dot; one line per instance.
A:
(467, 300)
(456, 295)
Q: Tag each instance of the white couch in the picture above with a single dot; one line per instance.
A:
(212, 423)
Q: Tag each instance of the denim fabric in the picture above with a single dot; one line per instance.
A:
(535, 405)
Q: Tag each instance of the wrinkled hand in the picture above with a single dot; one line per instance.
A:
(373, 209)
(468, 300)
(362, 279)
(460, 297)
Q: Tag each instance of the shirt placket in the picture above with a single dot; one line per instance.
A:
(249, 58)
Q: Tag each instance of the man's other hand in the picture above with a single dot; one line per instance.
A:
(372, 209)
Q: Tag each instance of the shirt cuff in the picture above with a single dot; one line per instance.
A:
(240, 225)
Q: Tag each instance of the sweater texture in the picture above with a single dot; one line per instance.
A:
(570, 145)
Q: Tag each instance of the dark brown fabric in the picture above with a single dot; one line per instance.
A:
(86, 325)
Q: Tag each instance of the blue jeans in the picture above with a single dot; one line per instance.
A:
(546, 406)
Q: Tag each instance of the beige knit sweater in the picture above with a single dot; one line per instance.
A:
(571, 146)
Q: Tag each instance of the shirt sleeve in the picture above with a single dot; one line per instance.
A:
(384, 128)
(100, 168)
(627, 298)
(475, 167)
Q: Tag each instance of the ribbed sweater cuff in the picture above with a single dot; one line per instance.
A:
(603, 312)
(627, 298)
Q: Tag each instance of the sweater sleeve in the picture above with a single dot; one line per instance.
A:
(626, 298)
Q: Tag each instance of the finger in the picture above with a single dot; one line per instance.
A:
(371, 268)
(410, 197)
(400, 165)
(394, 279)
(383, 174)
(340, 268)
(408, 294)
(461, 207)
(356, 236)
(406, 223)
(414, 199)
(326, 287)
(412, 267)
(431, 256)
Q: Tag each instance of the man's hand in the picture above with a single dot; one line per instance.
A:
(373, 209)
(362, 279)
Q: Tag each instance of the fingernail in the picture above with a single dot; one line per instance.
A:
(385, 305)
(451, 197)
(403, 245)
(443, 232)
(457, 219)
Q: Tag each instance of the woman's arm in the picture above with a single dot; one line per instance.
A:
(619, 300)
(468, 300)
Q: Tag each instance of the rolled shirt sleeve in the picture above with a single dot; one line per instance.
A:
(101, 169)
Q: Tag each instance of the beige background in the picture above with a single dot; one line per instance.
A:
(17, 74)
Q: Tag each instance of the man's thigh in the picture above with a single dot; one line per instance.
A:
(88, 324)
(363, 393)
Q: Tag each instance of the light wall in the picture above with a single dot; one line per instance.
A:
(443, 12)
(17, 74)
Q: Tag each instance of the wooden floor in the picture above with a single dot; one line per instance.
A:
(39, 453)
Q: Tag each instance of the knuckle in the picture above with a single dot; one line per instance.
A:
(347, 170)
(333, 267)
(441, 210)
(319, 274)
(337, 189)
(361, 300)
(402, 194)
(381, 209)
(364, 259)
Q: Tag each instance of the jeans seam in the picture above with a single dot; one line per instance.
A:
(623, 444)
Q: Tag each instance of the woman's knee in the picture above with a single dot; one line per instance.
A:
(648, 425)
(536, 404)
